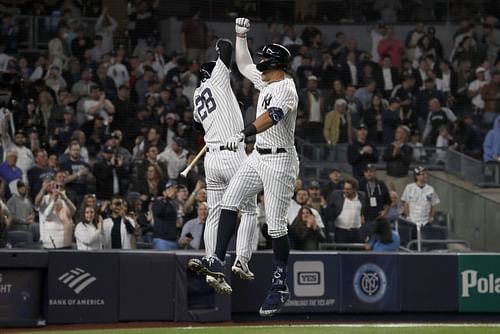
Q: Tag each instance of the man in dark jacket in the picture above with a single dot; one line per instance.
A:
(360, 152)
(398, 156)
(377, 198)
(109, 174)
(167, 223)
(345, 211)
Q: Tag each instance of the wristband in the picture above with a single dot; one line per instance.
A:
(250, 130)
(241, 35)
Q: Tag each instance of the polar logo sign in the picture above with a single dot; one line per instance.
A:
(370, 283)
(77, 279)
(309, 278)
(482, 285)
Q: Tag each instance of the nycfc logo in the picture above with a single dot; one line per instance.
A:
(77, 279)
(370, 283)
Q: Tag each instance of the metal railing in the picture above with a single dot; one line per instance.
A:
(472, 170)
(35, 32)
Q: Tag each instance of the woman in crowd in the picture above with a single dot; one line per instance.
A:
(373, 119)
(305, 234)
(384, 239)
(88, 232)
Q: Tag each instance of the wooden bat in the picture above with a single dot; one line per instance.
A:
(185, 172)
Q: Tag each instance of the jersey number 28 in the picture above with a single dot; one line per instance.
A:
(205, 103)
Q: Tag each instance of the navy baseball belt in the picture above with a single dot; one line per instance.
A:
(269, 150)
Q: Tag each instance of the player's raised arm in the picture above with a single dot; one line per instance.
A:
(243, 57)
(224, 48)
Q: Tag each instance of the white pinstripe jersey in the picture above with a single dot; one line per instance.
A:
(281, 94)
(216, 107)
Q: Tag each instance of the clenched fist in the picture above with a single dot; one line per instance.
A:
(242, 25)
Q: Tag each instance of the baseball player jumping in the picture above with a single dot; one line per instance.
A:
(273, 166)
(217, 113)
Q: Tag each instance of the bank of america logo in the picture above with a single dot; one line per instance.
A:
(77, 279)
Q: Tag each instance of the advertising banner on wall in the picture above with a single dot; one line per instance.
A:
(20, 296)
(313, 283)
(83, 287)
(479, 283)
(369, 283)
(425, 290)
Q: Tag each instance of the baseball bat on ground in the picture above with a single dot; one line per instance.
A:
(185, 172)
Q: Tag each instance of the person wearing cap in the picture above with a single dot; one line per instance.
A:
(337, 128)
(490, 94)
(420, 199)
(24, 155)
(398, 156)
(377, 197)
(311, 116)
(109, 174)
(474, 90)
(167, 221)
(316, 201)
(176, 156)
(361, 152)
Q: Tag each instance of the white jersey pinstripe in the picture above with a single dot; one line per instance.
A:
(274, 173)
(217, 109)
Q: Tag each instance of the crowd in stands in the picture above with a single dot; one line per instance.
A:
(95, 133)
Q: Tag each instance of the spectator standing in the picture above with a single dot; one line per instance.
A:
(372, 117)
(437, 117)
(117, 229)
(490, 94)
(311, 116)
(301, 199)
(420, 199)
(377, 34)
(9, 172)
(305, 234)
(109, 174)
(395, 209)
(98, 105)
(443, 142)
(166, 219)
(354, 106)
(78, 171)
(492, 39)
(89, 231)
(56, 224)
(176, 156)
(419, 153)
(337, 128)
(391, 46)
(377, 194)
(20, 207)
(391, 119)
(194, 37)
(474, 90)
(468, 137)
(387, 76)
(335, 183)
(105, 26)
(361, 152)
(398, 157)
(491, 145)
(193, 230)
(345, 209)
(59, 49)
(39, 173)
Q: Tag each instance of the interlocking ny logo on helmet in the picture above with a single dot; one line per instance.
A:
(77, 279)
(275, 56)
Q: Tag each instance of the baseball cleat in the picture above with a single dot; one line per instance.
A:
(241, 270)
(275, 299)
(213, 269)
(207, 266)
(219, 285)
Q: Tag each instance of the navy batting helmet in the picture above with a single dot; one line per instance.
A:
(206, 70)
(275, 57)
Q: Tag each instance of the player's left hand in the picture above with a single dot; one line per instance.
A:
(233, 142)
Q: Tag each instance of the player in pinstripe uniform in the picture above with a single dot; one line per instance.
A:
(273, 166)
(218, 114)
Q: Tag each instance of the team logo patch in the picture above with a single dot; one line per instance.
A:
(370, 283)
(266, 101)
